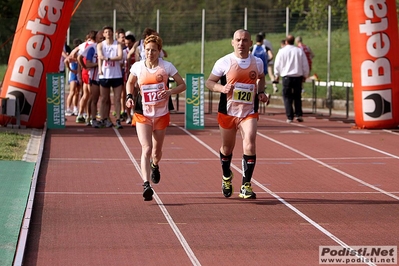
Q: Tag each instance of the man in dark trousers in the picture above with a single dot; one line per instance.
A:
(292, 65)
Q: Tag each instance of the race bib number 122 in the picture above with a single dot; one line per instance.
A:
(151, 93)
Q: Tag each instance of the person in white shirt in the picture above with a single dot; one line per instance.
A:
(292, 66)
(110, 75)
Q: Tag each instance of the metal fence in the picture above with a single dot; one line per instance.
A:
(180, 27)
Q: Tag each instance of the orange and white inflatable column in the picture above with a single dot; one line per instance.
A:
(36, 51)
(374, 42)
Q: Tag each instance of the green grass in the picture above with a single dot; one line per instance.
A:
(187, 57)
(3, 69)
(13, 145)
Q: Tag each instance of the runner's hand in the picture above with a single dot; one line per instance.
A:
(129, 103)
(129, 100)
(227, 88)
(264, 97)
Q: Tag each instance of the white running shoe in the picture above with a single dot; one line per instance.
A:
(275, 88)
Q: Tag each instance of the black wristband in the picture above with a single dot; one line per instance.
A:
(129, 96)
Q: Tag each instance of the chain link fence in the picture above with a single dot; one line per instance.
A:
(181, 27)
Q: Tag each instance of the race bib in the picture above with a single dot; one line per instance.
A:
(109, 64)
(243, 93)
(151, 93)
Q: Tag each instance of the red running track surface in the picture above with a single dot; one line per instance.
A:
(319, 183)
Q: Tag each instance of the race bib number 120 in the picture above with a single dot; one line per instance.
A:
(243, 93)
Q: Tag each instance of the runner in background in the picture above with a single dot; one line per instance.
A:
(88, 59)
(121, 38)
(129, 43)
(66, 50)
(74, 81)
(110, 75)
(84, 100)
(306, 49)
(270, 63)
(261, 51)
(139, 45)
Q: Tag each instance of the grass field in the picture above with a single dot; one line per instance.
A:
(3, 69)
(13, 145)
(187, 57)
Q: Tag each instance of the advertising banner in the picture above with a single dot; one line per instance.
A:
(374, 41)
(194, 117)
(55, 100)
(36, 50)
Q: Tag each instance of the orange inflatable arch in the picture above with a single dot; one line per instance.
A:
(36, 51)
(374, 42)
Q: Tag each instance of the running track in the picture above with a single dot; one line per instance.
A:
(318, 183)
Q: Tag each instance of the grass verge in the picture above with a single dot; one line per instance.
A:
(13, 145)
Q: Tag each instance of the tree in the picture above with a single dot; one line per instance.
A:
(315, 12)
(9, 14)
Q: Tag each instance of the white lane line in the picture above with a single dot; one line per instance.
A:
(288, 205)
(207, 192)
(190, 160)
(341, 138)
(87, 159)
(391, 132)
(292, 132)
(330, 167)
(165, 212)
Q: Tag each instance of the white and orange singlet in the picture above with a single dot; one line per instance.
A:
(243, 74)
(151, 83)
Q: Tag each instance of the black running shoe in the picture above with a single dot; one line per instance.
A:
(246, 191)
(227, 186)
(155, 174)
(148, 192)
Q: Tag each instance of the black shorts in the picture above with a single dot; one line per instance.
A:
(108, 83)
(94, 82)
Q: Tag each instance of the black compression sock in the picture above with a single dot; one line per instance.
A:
(225, 161)
(248, 166)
